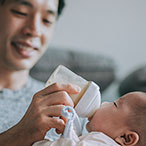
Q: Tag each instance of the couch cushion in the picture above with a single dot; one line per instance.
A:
(135, 81)
(98, 68)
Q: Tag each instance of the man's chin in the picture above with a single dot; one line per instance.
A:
(19, 66)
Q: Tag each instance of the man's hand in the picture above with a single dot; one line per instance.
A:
(46, 104)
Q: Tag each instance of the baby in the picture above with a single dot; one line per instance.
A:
(122, 122)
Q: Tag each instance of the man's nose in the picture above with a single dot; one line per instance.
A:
(33, 27)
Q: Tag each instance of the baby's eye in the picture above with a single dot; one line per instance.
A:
(19, 13)
(115, 104)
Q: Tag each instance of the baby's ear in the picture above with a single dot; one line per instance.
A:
(129, 138)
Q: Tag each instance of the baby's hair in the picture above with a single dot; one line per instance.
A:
(137, 118)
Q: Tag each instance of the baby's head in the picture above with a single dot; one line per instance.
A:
(123, 120)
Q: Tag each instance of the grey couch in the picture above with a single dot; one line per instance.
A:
(135, 81)
(98, 68)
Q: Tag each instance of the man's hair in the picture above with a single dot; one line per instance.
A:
(61, 5)
(137, 118)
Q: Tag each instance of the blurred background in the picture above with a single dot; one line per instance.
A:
(116, 28)
(113, 28)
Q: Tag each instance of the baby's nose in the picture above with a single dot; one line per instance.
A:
(104, 103)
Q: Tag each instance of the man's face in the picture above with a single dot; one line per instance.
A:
(26, 27)
(111, 118)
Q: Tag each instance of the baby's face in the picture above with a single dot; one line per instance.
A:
(111, 117)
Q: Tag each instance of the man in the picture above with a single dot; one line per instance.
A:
(26, 27)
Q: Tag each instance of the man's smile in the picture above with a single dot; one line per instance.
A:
(24, 49)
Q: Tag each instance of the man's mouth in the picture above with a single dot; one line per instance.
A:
(24, 49)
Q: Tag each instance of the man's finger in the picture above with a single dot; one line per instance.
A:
(69, 88)
(60, 97)
(56, 123)
(53, 111)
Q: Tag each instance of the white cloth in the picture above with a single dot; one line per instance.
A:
(90, 139)
(70, 137)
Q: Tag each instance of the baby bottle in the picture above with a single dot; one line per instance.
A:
(88, 100)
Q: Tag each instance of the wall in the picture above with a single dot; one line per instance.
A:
(112, 27)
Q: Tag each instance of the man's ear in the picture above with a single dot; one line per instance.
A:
(129, 138)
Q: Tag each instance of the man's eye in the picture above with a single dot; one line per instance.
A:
(47, 21)
(19, 13)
